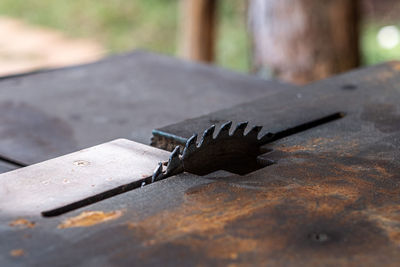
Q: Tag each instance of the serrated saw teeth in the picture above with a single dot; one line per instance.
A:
(175, 153)
(157, 172)
(253, 133)
(207, 136)
(239, 130)
(174, 162)
(224, 131)
(178, 163)
(191, 145)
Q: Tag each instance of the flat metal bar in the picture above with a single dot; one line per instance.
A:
(81, 175)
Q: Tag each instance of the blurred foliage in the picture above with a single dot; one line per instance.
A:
(233, 47)
(372, 52)
(122, 25)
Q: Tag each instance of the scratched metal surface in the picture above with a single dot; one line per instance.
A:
(51, 113)
(332, 198)
(84, 174)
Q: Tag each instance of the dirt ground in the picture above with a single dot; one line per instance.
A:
(25, 48)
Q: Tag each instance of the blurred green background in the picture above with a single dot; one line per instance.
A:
(123, 25)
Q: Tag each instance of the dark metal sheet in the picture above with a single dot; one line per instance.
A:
(51, 113)
(332, 198)
(5, 166)
(283, 110)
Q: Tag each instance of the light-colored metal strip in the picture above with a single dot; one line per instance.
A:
(67, 179)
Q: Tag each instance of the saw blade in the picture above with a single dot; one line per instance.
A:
(224, 150)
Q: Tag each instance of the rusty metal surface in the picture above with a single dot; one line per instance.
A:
(332, 197)
(51, 113)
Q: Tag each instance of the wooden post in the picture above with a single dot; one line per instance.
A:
(304, 40)
(198, 29)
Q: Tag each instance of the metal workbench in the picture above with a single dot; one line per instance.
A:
(329, 196)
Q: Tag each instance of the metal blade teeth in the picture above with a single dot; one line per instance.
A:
(253, 133)
(239, 130)
(207, 136)
(224, 131)
(157, 172)
(190, 145)
(174, 161)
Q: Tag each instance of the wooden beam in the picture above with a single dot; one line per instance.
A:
(198, 29)
(300, 41)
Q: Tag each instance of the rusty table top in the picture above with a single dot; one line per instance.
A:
(331, 198)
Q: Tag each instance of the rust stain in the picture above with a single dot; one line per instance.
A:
(89, 218)
(322, 145)
(382, 171)
(17, 252)
(318, 213)
(290, 149)
(226, 247)
(395, 65)
(203, 217)
(228, 222)
(206, 213)
(387, 217)
(22, 223)
(310, 145)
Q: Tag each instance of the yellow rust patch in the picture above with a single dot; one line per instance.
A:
(17, 252)
(22, 223)
(199, 214)
(89, 218)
